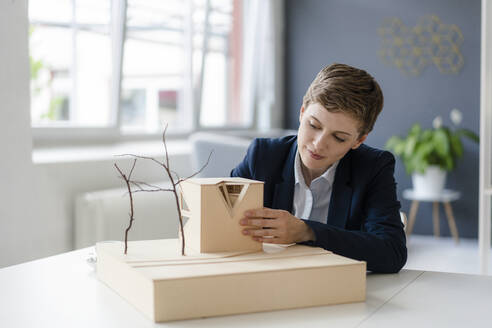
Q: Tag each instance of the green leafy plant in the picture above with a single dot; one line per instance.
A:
(441, 146)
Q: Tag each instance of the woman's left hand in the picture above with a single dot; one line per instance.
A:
(275, 226)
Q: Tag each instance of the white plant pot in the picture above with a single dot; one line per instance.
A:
(429, 184)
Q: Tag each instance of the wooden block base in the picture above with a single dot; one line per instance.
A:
(166, 286)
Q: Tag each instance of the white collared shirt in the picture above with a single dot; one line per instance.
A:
(312, 203)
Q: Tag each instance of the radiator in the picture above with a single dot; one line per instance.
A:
(104, 215)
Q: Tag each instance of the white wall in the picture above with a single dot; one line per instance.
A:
(18, 237)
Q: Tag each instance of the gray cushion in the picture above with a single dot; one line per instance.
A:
(228, 151)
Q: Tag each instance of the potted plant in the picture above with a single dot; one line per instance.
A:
(429, 153)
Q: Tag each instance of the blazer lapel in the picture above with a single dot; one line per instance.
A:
(284, 189)
(341, 194)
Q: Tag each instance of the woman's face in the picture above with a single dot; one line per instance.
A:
(325, 137)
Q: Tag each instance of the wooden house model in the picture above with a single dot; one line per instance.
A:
(213, 208)
(221, 267)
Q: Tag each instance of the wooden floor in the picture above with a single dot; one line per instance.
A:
(442, 254)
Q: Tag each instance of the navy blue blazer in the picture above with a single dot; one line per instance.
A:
(363, 219)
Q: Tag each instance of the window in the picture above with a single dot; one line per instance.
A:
(70, 55)
(134, 65)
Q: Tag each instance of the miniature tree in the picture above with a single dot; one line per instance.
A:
(146, 187)
(130, 193)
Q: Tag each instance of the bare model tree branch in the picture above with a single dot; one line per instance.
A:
(142, 157)
(140, 185)
(169, 171)
(175, 174)
(130, 193)
(199, 171)
(151, 190)
(146, 187)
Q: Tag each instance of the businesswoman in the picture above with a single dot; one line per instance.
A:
(324, 187)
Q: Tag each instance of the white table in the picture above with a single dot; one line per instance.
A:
(63, 291)
(446, 197)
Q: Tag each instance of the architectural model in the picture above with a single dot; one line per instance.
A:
(224, 272)
(214, 207)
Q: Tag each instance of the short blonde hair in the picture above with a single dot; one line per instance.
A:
(343, 88)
